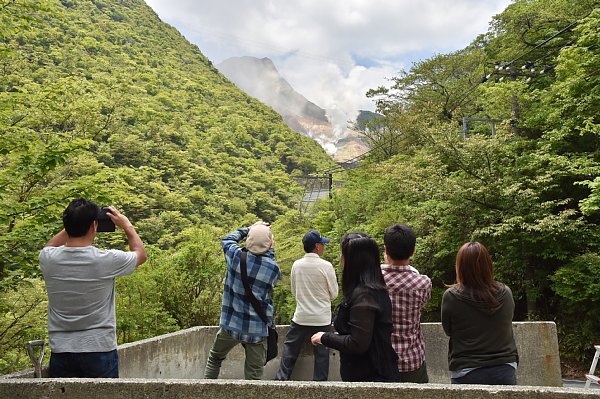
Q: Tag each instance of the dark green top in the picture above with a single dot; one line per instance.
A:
(480, 335)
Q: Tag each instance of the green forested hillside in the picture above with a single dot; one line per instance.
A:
(101, 99)
(530, 193)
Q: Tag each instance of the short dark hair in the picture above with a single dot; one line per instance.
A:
(79, 216)
(309, 246)
(361, 266)
(400, 241)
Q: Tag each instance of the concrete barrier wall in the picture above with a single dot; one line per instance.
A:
(228, 389)
(537, 344)
(183, 355)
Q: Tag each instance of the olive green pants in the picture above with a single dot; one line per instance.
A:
(224, 343)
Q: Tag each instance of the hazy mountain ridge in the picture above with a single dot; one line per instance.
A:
(261, 79)
(246, 72)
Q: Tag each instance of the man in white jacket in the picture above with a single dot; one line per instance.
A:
(314, 285)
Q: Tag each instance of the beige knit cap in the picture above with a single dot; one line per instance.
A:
(259, 239)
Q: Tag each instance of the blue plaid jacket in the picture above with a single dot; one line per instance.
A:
(237, 314)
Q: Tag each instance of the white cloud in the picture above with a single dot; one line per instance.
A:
(315, 44)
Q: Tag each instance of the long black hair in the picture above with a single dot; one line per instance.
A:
(360, 262)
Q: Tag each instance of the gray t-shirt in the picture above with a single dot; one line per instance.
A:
(81, 296)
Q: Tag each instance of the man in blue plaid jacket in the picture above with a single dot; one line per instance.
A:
(240, 324)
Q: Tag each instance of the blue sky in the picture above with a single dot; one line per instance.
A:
(331, 51)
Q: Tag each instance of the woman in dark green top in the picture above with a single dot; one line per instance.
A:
(364, 319)
(477, 315)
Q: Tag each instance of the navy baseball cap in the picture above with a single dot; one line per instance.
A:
(314, 237)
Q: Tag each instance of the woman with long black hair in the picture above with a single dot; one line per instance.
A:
(477, 315)
(364, 319)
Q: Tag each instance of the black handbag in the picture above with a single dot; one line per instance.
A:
(273, 336)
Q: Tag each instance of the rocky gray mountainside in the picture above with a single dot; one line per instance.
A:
(260, 79)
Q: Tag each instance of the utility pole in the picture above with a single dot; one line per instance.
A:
(465, 123)
(515, 109)
(511, 71)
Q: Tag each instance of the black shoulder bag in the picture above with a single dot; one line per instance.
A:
(273, 337)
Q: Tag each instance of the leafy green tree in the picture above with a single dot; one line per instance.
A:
(23, 318)
(578, 289)
(140, 310)
(102, 100)
(438, 89)
(591, 204)
(530, 193)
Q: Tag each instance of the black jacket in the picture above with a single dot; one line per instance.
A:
(364, 326)
(480, 335)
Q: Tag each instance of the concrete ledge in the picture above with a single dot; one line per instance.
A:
(183, 354)
(227, 389)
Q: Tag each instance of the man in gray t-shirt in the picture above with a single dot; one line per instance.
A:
(80, 280)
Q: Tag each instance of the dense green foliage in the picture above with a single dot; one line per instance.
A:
(530, 193)
(101, 99)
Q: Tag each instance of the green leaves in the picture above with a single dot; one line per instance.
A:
(575, 280)
(530, 194)
(591, 204)
(22, 318)
(103, 100)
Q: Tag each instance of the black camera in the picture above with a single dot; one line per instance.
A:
(104, 221)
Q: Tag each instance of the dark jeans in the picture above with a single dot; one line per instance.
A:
(419, 375)
(84, 365)
(296, 337)
(503, 374)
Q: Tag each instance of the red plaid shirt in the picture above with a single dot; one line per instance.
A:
(409, 292)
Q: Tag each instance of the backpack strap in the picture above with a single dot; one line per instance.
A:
(249, 295)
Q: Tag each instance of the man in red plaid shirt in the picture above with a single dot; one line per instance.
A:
(409, 292)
